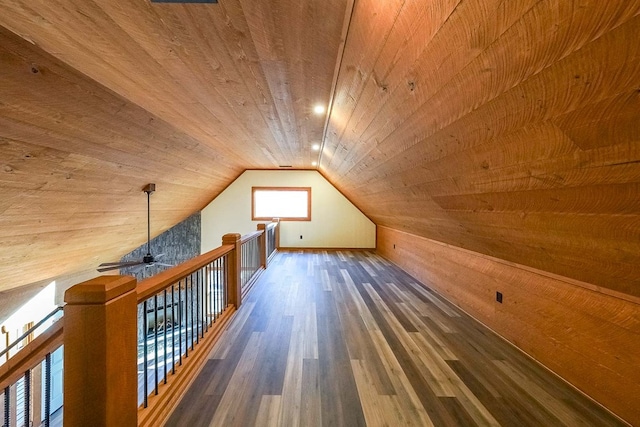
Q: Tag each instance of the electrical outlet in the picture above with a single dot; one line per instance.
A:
(301, 237)
(499, 297)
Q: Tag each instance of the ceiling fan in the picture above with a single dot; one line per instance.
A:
(148, 260)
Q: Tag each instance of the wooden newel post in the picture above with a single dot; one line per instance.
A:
(100, 353)
(235, 266)
(262, 241)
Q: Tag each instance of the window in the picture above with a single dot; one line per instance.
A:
(286, 203)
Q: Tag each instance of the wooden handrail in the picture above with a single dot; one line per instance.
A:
(251, 236)
(30, 331)
(32, 354)
(153, 285)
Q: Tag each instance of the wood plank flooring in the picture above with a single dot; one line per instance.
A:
(348, 339)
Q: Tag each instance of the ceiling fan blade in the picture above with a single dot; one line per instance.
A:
(158, 256)
(125, 263)
(103, 269)
(107, 266)
(164, 265)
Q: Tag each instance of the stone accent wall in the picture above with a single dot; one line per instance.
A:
(179, 244)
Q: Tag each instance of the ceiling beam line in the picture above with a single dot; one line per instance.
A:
(346, 27)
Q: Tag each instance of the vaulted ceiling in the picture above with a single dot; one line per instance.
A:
(511, 128)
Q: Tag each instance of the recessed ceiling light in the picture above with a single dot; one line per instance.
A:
(314, 163)
(318, 109)
(315, 147)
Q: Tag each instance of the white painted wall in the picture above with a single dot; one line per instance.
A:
(335, 221)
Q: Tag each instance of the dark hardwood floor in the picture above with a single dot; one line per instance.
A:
(348, 339)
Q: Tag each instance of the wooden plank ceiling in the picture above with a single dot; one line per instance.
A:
(98, 98)
(511, 128)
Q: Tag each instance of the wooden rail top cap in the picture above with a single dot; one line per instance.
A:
(231, 238)
(99, 290)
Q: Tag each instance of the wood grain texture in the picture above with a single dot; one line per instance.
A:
(590, 338)
(390, 352)
(103, 97)
(510, 129)
(100, 379)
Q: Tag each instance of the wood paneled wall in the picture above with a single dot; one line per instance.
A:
(508, 128)
(590, 338)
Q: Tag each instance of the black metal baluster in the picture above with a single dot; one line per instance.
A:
(210, 289)
(198, 305)
(7, 405)
(222, 284)
(203, 301)
(164, 329)
(222, 278)
(197, 313)
(155, 343)
(217, 286)
(145, 349)
(180, 311)
(191, 294)
(225, 290)
(207, 298)
(173, 330)
(27, 398)
(214, 279)
(216, 296)
(192, 310)
(186, 316)
(47, 390)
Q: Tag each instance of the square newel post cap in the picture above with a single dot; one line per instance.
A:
(231, 238)
(99, 290)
